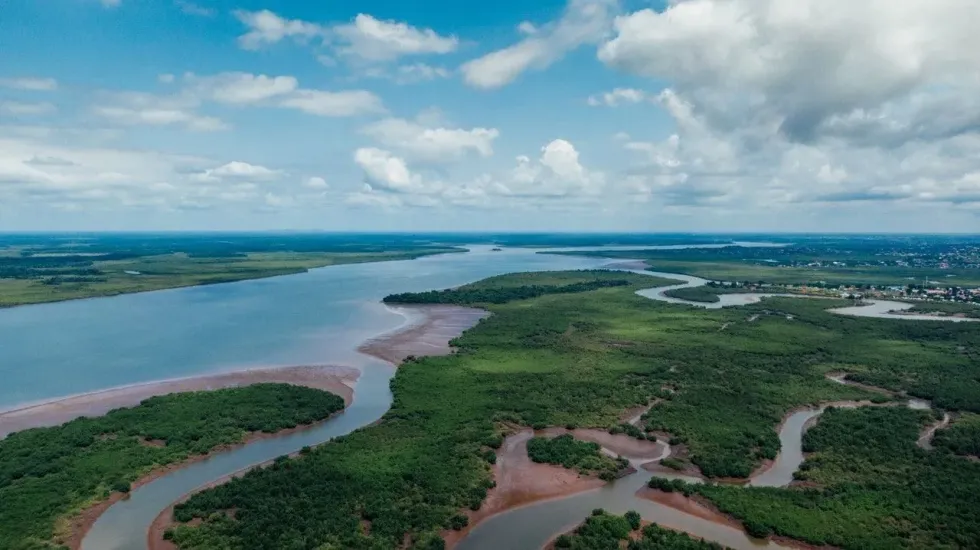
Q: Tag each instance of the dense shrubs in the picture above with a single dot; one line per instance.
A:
(465, 295)
(46, 473)
(566, 451)
(603, 531)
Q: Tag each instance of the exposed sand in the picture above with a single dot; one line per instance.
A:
(428, 331)
(338, 380)
(521, 482)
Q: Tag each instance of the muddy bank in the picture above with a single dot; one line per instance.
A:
(338, 380)
(83, 522)
(427, 331)
(520, 482)
(619, 444)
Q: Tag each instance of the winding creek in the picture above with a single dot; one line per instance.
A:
(305, 319)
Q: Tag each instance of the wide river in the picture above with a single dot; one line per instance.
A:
(320, 317)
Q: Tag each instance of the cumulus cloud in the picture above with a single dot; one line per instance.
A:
(385, 171)
(240, 88)
(412, 73)
(238, 170)
(616, 97)
(799, 64)
(373, 39)
(806, 103)
(137, 108)
(265, 28)
(557, 173)
(32, 84)
(334, 104)
(432, 144)
(583, 22)
(316, 183)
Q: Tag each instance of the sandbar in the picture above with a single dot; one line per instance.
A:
(429, 329)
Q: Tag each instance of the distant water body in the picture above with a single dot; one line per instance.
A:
(55, 350)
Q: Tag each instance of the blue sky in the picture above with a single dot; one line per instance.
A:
(697, 115)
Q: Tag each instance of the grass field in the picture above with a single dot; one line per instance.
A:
(181, 270)
(583, 358)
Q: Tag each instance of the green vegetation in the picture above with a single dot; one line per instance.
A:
(848, 262)
(581, 359)
(706, 294)
(604, 531)
(584, 456)
(947, 308)
(872, 488)
(962, 437)
(49, 269)
(49, 474)
(482, 294)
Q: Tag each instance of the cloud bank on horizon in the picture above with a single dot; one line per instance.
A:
(613, 115)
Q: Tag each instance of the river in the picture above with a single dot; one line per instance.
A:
(53, 350)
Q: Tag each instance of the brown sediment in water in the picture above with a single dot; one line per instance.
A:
(429, 330)
(520, 482)
(338, 380)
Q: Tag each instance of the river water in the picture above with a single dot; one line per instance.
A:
(67, 348)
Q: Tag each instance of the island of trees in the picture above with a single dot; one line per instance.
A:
(47, 475)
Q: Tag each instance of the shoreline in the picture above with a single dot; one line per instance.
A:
(81, 523)
(181, 286)
(335, 379)
(427, 331)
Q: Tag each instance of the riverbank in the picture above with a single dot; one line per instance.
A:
(178, 270)
(335, 379)
(427, 331)
(80, 525)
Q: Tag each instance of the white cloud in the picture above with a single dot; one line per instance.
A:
(419, 72)
(799, 64)
(21, 108)
(160, 117)
(526, 27)
(110, 3)
(137, 108)
(334, 104)
(377, 40)
(191, 8)
(431, 144)
(387, 172)
(557, 173)
(166, 78)
(617, 97)
(238, 170)
(241, 88)
(583, 22)
(316, 183)
(30, 83)
(265, 28)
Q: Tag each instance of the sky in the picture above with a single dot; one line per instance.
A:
(441, 115)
